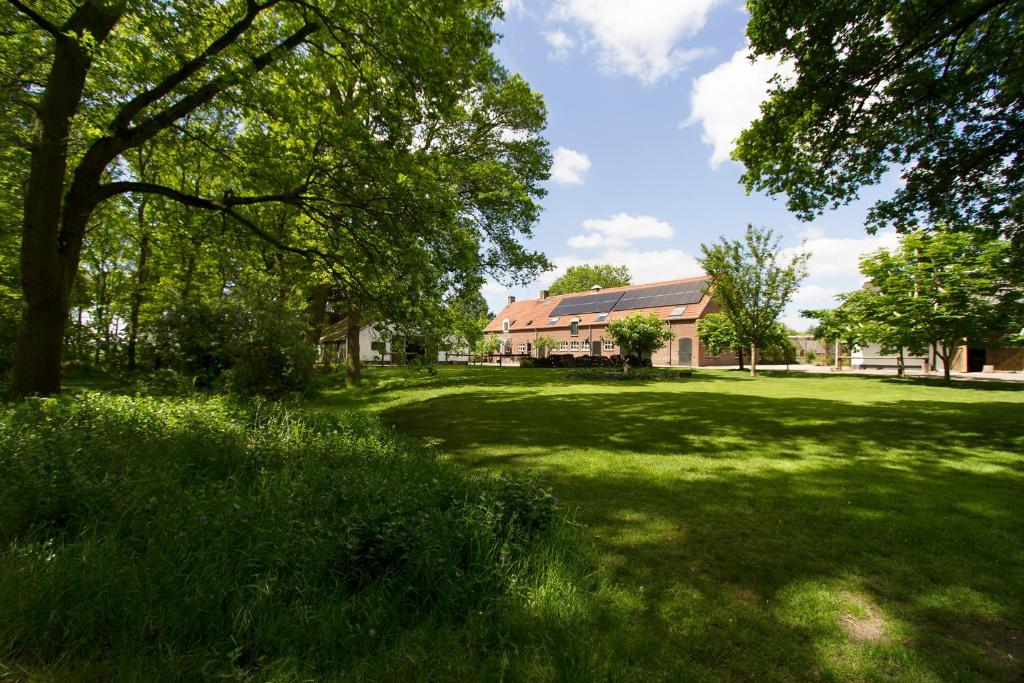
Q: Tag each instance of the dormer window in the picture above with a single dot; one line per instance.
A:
(677, 311)
(574, 328)
(505, 324)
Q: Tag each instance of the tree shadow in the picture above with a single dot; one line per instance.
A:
(761, 522)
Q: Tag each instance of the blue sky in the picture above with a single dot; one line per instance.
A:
(644, 100)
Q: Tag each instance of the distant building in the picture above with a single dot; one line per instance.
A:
(379, 344)
(579, 321)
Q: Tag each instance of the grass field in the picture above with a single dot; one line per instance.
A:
(778, 528)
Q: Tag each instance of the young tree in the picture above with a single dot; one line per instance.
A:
(717, 335)
(582, 278)
(639, 335)
(950, 286)
(750, 285)
(545, 343)
(930, 88)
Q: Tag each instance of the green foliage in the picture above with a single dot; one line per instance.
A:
(544, 343)
(582, 278)
(638, 374)
(930, 88)
(639, 335)
(246, 345)
(717, 334)
(187, 536)
(751, 286)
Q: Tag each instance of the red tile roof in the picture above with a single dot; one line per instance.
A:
(532, 314)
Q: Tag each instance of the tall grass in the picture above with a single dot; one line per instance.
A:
(145, 538)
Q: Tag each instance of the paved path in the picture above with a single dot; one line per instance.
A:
(891, 372)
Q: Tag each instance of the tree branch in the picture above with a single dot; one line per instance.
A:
(131, 109)
(224, 206)
(38, 19)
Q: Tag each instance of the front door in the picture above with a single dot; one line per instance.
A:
(595, 348)
(685, 351)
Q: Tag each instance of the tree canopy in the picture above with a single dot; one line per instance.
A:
(582, 278)
(173, 149)
(930, 90)
(639, 335)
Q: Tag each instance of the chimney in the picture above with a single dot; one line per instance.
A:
(511, 299)
(543, 294)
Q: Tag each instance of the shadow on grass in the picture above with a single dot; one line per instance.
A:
(749, 540)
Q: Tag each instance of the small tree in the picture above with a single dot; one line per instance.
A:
(582, 278)
(750, 285)
(718, 335)
(545, 343)
(639, 335)
(488, 345)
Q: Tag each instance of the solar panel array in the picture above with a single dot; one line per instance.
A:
(588, 303)
(679, 294)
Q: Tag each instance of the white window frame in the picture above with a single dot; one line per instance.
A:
(609, 345)
(521, 348)
(505, 325)
(565, 346)
(574, 328)
(574, 345)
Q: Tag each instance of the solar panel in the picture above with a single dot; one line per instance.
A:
(679, 294)
(589, 303)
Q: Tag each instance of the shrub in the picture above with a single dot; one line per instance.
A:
(251, 348)
(231, 539)
(638, 374)
(584, 361)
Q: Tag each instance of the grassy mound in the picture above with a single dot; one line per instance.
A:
(189, 539)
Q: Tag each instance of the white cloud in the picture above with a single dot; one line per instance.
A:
(638, 38)
(840, 257)
(569, 167)
(726, 99)
(561, 44)
(619, 231)
(654, 265)
(510, 7)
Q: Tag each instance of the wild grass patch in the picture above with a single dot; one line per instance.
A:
(202, 537)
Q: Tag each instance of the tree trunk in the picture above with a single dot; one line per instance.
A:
(138, 295)
(899, 363)
(739, 355)
(53, 227)
(353, 369)
(317, 313)
(753, 360)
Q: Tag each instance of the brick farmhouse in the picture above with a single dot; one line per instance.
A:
(519, 324)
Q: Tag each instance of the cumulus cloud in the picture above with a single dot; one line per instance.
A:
(561, 44)
(510, 7)
(839, 256)
(726, 99)
(569, 167)
(640, 38)
(619, 231)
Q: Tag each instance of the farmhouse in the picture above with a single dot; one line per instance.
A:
(579, 321)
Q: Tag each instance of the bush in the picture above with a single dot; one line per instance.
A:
(226, 540)
(255, 349)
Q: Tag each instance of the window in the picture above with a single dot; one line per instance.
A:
(601, 317)
(574, 328)
(378, 346)
(677, 311)
(552, 321)
(505, 324)
(609, 345)
(565, 346)
(574, 346)
(521, 348)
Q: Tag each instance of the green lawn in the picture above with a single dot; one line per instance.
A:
(789, 526)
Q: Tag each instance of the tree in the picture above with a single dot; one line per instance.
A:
(291, 96)
(931, 90)
(717, 335)
(582, 278)
(639, 335)
(952, 287)
(545, 343)
(750, 285)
